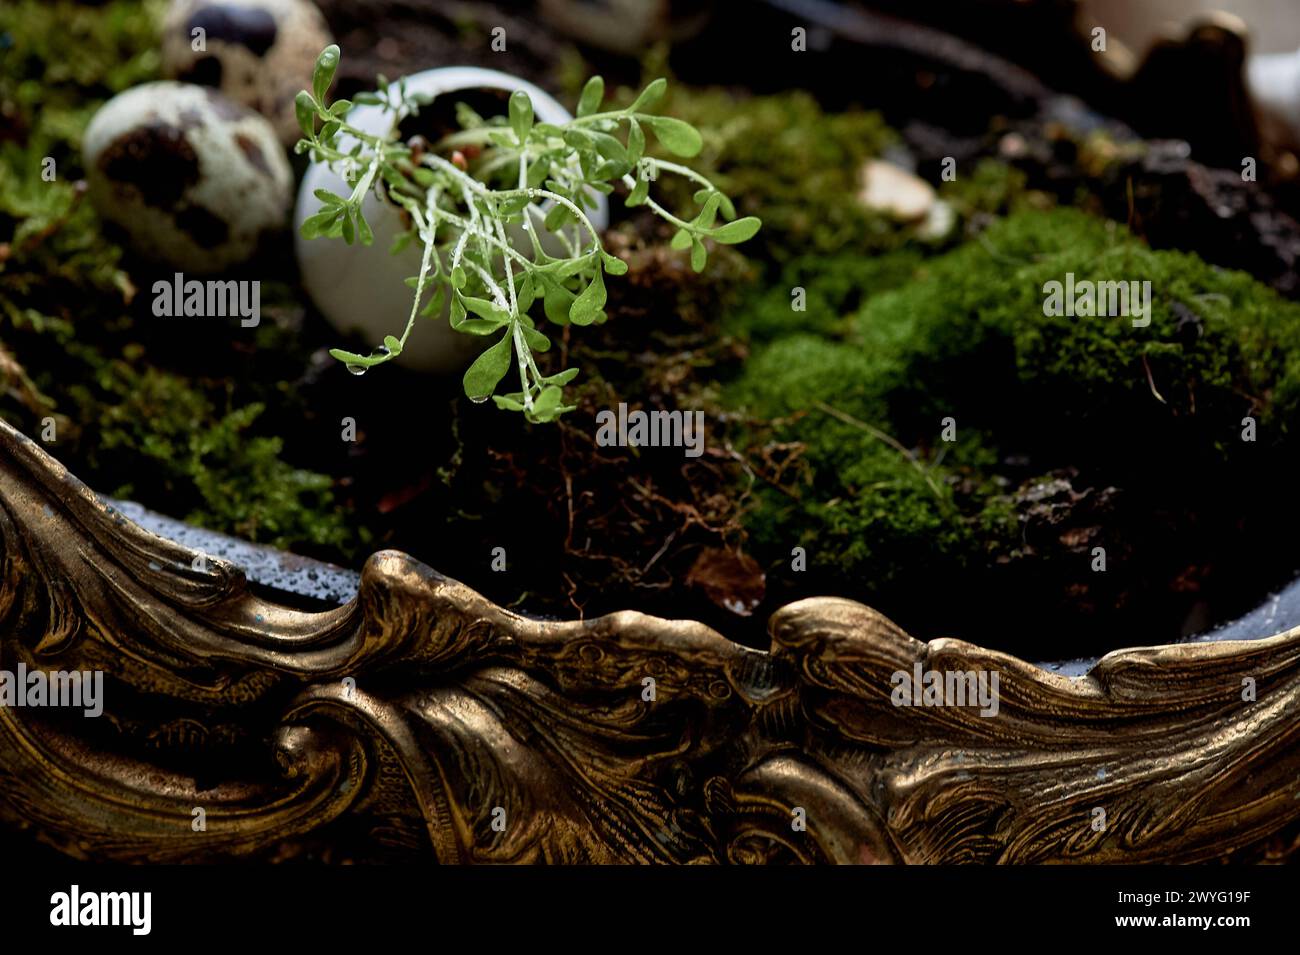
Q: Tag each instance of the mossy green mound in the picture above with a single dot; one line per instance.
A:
(1147, 424)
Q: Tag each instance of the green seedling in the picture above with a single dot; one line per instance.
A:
(464, 215)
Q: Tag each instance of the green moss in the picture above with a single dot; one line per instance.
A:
(869, 507)
(833, 287)
(125, 422)
(993, 188)
(61, 61)
(116, 43)
(1156, 410)
(1219, 346)
(173, 443)
(784, 159)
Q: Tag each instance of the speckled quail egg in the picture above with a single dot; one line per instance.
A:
(194, 179)
(258, 52)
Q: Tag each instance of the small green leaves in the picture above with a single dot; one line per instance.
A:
(466, 117)
(704, 221)
(511, 402)
(512, 206)
(489, 368)
(579, 139)
(527, 294)
(326, 222)
(548, 404)
(323, 75)
(640, 192)
(742, 230)
(699, 255)
(557, 300)
(436, 301)
(592, 95)
(521, 115)
(305, 110)
(557, 218)
(676, 136)
(563, 378)
(486, 310)
(537, 173)
(491, 316)
(363, 228)
(546, 407)
(650, 96)
(730, 233)
(357, 364)
(316, 224)
(471, 214)
(610, 148)
(586, 308)
(635, 142)
(535, 339)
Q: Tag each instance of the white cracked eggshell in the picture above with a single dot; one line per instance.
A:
(194, 179)
(258, 52)
(362, 287)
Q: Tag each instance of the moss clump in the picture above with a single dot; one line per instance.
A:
(992, 188)
(832, 288)
(784, 159)
(1135, 424)
(869, 509)
(61, 61)
(202, 458)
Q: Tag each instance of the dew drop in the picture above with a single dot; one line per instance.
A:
(380, 352)
(357, 369)
(479, 401)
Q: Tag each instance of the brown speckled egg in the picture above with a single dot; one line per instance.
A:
(258, 52)
(194, 179)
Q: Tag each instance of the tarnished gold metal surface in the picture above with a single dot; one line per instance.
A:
(423, 721)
